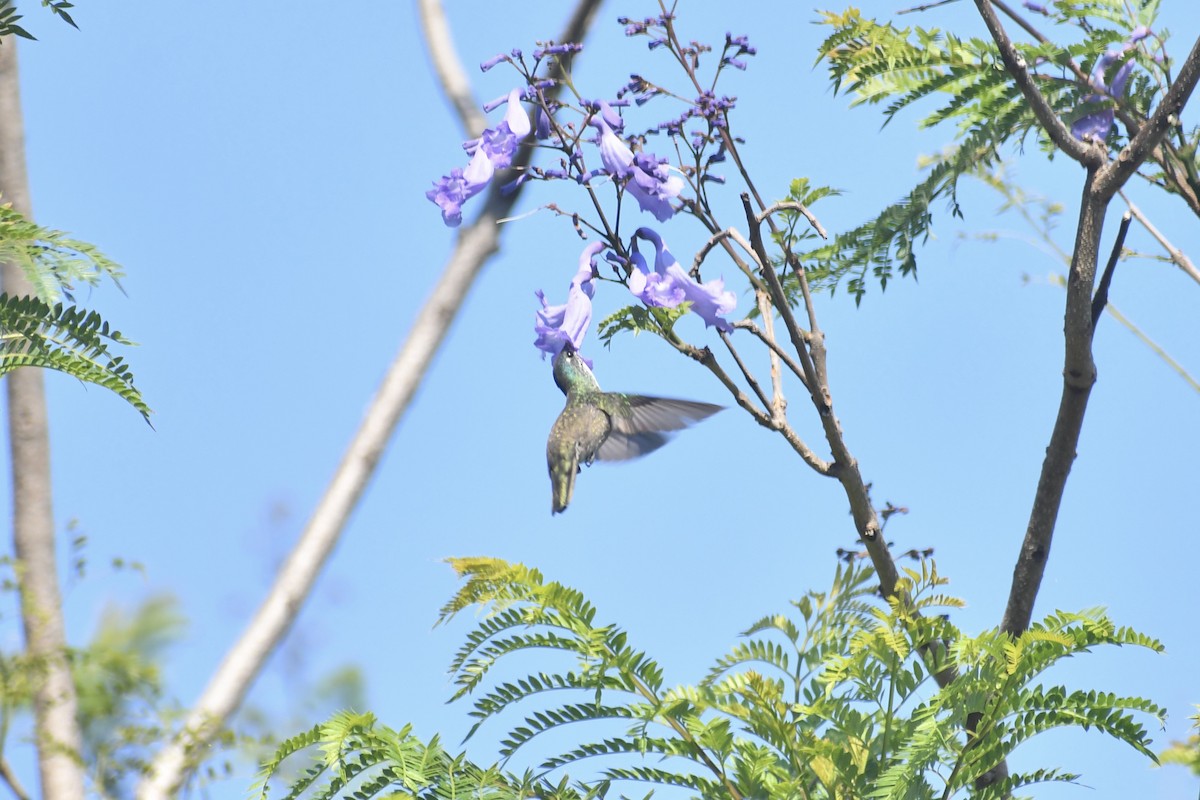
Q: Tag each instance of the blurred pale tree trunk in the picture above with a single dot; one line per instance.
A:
(477, 242)
(58, 735)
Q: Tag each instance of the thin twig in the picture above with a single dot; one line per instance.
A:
(1100, 299)
(719, 238)
(792, 205)
(926, 7)
(705, 357)
(746, 373)
(1179, 258)
(770, 342)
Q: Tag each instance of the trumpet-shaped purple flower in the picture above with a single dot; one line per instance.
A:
(461, 185)
(556, 326)
(492, 151)
(668, 285)
(1096, 126)
(647, 179)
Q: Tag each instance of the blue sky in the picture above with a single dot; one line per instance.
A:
(259, 170)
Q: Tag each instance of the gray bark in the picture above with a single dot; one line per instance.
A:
(58, 736)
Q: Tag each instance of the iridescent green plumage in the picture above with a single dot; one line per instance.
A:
(606, 425)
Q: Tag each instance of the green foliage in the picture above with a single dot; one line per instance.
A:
(40, 331)
(1187, 752)
(9, 17)
(641, 319)
(361, 759)
(838, 700)
(967, 85)
(119, 686)
(52, 261)
(67, 339)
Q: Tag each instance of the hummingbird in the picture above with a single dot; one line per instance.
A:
(609, 426)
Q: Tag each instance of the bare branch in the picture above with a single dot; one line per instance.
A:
(1100, 299)
(59, 741)
(1114, 175)
(778, 402)
(1177, 256)
(720, 237)
(791, 205)
(705, 357)
(746, 373)
(1088, 154)
(770, 342)
(451, 75)
(10, 778)
(229, 684)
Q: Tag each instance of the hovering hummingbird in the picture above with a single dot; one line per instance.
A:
(606, 425)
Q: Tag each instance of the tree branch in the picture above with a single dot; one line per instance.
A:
(1114, 175)
(1091, 155)
(10, 778)
(1079, 369)
(1177, 256)
(448, 67)
(59, 741)
(1100, 299)
(233, 678)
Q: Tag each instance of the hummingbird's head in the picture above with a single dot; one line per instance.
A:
(571, 372)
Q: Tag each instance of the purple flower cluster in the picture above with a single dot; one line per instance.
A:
(645, 177)
(1096, 126)
(667, 285)
(491, 152)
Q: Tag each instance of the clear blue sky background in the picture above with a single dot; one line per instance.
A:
(259, 169)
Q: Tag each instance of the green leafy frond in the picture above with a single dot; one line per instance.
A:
(1186, 753)
(684, 780)
(8, 22)
(887, 243)
(541, 721)
(360, 759)
(965, 83)
(52, 261)
(833, 700)
(641, 319)
(66, 339)
(1005, 788)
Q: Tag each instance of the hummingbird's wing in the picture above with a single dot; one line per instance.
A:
(640, 424)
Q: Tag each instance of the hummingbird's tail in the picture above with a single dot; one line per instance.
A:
(562, 483)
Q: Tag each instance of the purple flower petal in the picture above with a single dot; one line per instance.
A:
(492, 151)
(556, 326)
(669, 285)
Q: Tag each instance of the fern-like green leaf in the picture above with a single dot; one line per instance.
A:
(66, 339)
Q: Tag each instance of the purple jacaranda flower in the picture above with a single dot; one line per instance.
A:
(647, 179)
(556, 326)
(1036, 8)
(461, 185)
(501, 143)
(668, 284)
(492, 151)
(1096, 126)
(557, 50)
